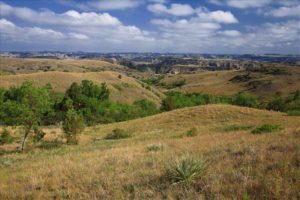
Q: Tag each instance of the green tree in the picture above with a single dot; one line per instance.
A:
(25, 105)
(73, 125)
(242, 99)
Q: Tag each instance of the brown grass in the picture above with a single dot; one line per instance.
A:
(31, 65)
(218, 82)
(242, 165)
(125, 90)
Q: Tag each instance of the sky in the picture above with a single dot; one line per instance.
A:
(173, 26)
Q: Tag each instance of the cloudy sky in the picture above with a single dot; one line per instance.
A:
(194, 26)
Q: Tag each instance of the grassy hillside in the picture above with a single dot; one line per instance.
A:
(123, 89)
(263, 166)
(30, 65)
(233, 81)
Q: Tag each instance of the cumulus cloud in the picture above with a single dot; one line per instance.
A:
(70, 17)
(217, 16)
(230, 33)
(10, 31)
(103, 4)
(175, 9)
(286, 11)
(99, 31)
(242, 3)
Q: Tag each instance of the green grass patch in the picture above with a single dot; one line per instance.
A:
(293, 112)
(267, 128)
(49, 144)
(192, 132)
(186, 169)
(117, 134)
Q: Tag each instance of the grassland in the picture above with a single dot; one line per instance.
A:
(31, 65)
(222, 82)
(123, 88)
(241, 165)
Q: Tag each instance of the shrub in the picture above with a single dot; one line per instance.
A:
(186, 169)
(155, 147)
(266, 128)
(38, 134)
(117, 134)
(120, 76)
(73, 125)
(5, 137)
(192, 132)
(242, 99)
(294, 112)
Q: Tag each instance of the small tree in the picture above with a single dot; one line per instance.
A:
(73, 125)
(25, 105)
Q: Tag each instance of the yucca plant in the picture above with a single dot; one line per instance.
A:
(186, 169)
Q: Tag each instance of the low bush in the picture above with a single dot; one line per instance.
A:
(117, 134)
(186, 169)
(5, 137)
(266, 128)
(155, 147)
(294, 113)
(192, 132)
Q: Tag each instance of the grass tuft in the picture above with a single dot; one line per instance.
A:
(186, 169)
(5, 137)
(155, 147)
(192, 132)
(117, 134)
(266, 128)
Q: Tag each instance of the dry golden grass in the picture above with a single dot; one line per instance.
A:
(242, 165)
(124, 89)
(218, 82)
(31, 65)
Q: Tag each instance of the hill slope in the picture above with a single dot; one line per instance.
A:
(251, 165)
(124, 89)
(234, 81)
(30, 65)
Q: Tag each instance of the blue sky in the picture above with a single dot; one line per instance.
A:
(191, 26)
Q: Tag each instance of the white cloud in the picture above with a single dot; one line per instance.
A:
(230, 33)
(114, 4)
(10, 31)
(286, 11)
(217, 16)
(242, 3)
(102, 4)
(78, 36)
(71, 17)
(175, 9)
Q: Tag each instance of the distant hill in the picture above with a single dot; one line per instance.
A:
(256, 82)
(123, 88)
(30, 65)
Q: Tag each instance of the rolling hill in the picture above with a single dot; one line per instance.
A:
(262, 84)
(250, 165)
(123, 88)
(30, 65)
